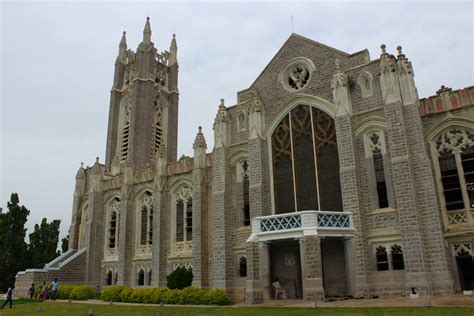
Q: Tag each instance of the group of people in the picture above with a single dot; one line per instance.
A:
(43, 295)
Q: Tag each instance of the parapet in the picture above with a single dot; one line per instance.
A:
(446, 100)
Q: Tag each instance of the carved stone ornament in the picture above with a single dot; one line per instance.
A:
(297, 74)
(340, 91)
(255, 116)
(374, 143)
(184, 193)
(221, 128)
(389, 78)
(454, 140)
(365, 83)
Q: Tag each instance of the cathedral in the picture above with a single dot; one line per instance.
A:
(329, 175)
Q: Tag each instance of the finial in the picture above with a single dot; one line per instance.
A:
(200, 129)
(383, 46)
(222, 102)
(82, 165)
(174, 35)
(338, 64)
(124, 33)
(96, 159)
(399, 49)
(147, 31)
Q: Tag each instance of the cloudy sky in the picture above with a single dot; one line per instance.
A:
(57, 63)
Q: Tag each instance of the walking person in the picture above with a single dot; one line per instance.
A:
(31, 291)
(44, 292)
(54, 289)
(9, 296)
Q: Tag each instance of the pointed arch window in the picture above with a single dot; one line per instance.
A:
(125, 114)
(381, 258)
(109, 277)
(397, 258)
(113, 232)
(184, 214)
(158, 130)
(146, 220)
(141, 277)
(306, 162)
(455, 150)
(375, 151)
(243, 266)
(243, 192)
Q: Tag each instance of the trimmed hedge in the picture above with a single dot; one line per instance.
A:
(82, 292)
(112, 293)
(180, 278)
(186, 296)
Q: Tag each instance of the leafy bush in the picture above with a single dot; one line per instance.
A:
(180, 278)
(216, 297)
(112, 293)
(172, 296)
(158, 295)
(141, 296)
(126, 294)
(82, 292)
(192, 296)
(64, 291)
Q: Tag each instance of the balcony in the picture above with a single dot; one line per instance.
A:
(301, 224)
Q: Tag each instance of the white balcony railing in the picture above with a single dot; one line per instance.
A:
(300, 224)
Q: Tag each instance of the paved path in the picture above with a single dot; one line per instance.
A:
(450, 300)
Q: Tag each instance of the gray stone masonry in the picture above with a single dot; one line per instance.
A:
(350, 199)
(222, 229)
(312, 268)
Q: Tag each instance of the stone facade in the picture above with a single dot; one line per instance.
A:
(143, 213)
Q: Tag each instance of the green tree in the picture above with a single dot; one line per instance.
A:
(65, 244)
(44, 240)
(13, 249)
(180, 278)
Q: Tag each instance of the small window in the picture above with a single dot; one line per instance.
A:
(397, 258)
(116, 278)
(109, 277)
(243, 267)
(149, 277)
(382, 258)
(141, 277)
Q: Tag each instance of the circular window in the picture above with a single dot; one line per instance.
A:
(297, 74)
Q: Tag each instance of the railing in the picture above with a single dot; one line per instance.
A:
(182, 249)
(454, 218)
(300, 224)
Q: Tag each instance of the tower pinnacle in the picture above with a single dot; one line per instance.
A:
(123, 44)
(173, 51)
(147, 31)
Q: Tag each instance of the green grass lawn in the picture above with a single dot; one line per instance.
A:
(24, 307)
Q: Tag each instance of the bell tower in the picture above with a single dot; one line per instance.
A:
(144, 100)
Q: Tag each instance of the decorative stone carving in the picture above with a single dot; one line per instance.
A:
(296, 75)
(462, 249)
(340, 92)
(389, 78)
(454, 140)
(242, 170)
(365, 82)
(374, 143)
(221, 127)
(184, 194)
(255, 116)
(407, 83)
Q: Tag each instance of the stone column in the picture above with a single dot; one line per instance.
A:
(199, 193)
(348, 174)
(158, 277)
(265, 270)
(222, 220)
(351, 272)
(253, 289)
(311, 268)
(76, 209)
(125, 240)
(94, 231)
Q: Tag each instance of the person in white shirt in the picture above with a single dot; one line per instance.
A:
(54, 289)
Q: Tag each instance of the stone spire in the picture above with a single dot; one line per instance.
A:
(147, 32)
(173, 51)
(406, 78)
(199, 141)
(123, 44)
